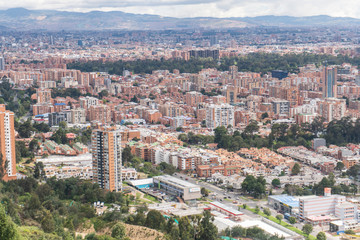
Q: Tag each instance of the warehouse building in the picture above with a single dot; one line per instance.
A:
(180, 188)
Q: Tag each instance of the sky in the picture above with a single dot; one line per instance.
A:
(200, 8)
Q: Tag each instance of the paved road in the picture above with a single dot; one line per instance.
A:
(231, 196)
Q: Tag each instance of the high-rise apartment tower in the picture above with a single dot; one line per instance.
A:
(107, 162)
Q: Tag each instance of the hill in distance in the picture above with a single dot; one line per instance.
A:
(22, 19)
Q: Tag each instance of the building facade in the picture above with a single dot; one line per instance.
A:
(219, 115)
(106, 155)
(7, 143)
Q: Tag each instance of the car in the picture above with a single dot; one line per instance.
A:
(235, 202)
(186, 179)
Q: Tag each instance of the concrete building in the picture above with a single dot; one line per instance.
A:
(43, 95)
(174, 186)
(219, 115)
(332, 108)
(346, 211)
(329, 80)
(7, 143)
(322, 209)
(280, 107)
(107, 162)
(318, 142)
(78, 116)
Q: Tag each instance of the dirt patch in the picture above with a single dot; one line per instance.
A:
(144, 233)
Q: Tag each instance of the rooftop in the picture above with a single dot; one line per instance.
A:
(287, 200)
(176, 181)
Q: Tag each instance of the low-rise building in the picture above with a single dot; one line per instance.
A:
(177, 187)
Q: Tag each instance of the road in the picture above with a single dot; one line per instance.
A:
(240, 199)
(218, 194)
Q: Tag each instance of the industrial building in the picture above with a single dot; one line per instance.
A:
(284, 203)
(180, 188)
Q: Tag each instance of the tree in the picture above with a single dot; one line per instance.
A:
(279, 217)
(351, 232)
(154, 219)
(276, 182)
(257, 209)
(292, 220)
(339, 166)
(238, 231)
(264, 115)
(208, 230)
(7, 227)
(296, 169)
(267, 212)
(321, 236)
(126, 155)
(185, 229)
(307, 229)
(62, 124)
(251, 128)
(204, 192)
(254, 186)
(48, 223)
(103, 93)
(39, 172)
(3, 166)
(134, 99)
(220, 132)
(118, 231)
(354, 171)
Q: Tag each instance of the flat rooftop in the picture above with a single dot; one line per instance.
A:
(286, 199)
(176, 181)
(226, 208)
(56, 159)
(139, 182)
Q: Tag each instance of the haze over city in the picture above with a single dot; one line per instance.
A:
(200, 8)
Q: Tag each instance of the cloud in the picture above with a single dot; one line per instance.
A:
(198, 8)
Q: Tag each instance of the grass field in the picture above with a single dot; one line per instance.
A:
(282, 223)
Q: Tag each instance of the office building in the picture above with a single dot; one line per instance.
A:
(177, 187)
(219, 115)
(7, 143)
(329, 80)
(107, 162)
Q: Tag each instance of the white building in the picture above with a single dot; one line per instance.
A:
(219, 115)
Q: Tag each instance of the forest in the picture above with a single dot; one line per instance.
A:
(55, 209)
(252, 62)
(338, 132)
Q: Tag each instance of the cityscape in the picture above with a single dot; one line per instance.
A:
(141, 124)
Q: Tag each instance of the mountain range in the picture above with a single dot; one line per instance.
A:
(21, 19)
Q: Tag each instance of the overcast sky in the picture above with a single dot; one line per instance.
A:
(197, 8)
